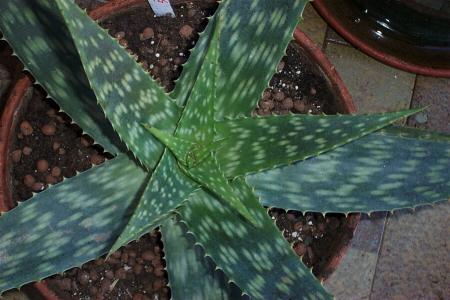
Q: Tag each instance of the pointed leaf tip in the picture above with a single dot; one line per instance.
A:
(157, 202)
(263, 143)
(378, 172)
(258, 259)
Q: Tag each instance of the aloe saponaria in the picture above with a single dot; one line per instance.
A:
(194, 162)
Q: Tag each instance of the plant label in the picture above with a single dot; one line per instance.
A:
(161, 8)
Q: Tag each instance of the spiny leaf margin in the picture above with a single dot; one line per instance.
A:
(386, 170)
(252, 145)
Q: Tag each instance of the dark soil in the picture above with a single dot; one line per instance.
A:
(298, 86)
(162, 44)
(313, 236)
(136, 271)
(47, 147)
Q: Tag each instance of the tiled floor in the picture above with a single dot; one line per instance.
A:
(373, 86)
(313, 25)
(354, 277)
(415, 254)
(434, 93)
(405, 255)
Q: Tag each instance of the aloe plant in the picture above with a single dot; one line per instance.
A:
(194, 162)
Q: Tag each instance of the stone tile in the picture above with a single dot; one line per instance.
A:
(374, 86)
(414, 260)
(434, 93)
(313, 25)
(354, 276)
(332, 36)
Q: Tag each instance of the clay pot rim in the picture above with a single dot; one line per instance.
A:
(391, 60)
(338, 87)
(8, 120)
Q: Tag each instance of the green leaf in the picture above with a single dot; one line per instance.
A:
(167, 189)
(188, 153)
(386, 170)
(127, 94)
(69, 223)
(209, 175)
(252, 42)
(38, 35)
(191, 274)
(197, 121)
(198, 162)
(178, 146)
(257, 258)
(256, 144)
(191, 69)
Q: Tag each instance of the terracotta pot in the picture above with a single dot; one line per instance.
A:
(15, 104)
(11, 63)
(341, 94)
(8, 112)
(391, 41)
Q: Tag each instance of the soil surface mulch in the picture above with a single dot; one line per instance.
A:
(48, 148)
(298, 86)
(162, 44)
(136, 271)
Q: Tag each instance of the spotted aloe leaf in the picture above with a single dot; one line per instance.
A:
(68, 224)
(197, 121)
(191, 274)
(167, 188)
(255, 144)
(257, 258)
(195, 129)
(128, 96)
(252, 42)
(383, 171)
(247, 59)
(179, 147)
(188, 78)
(208, 174)
(39, 36)
(200, 164)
